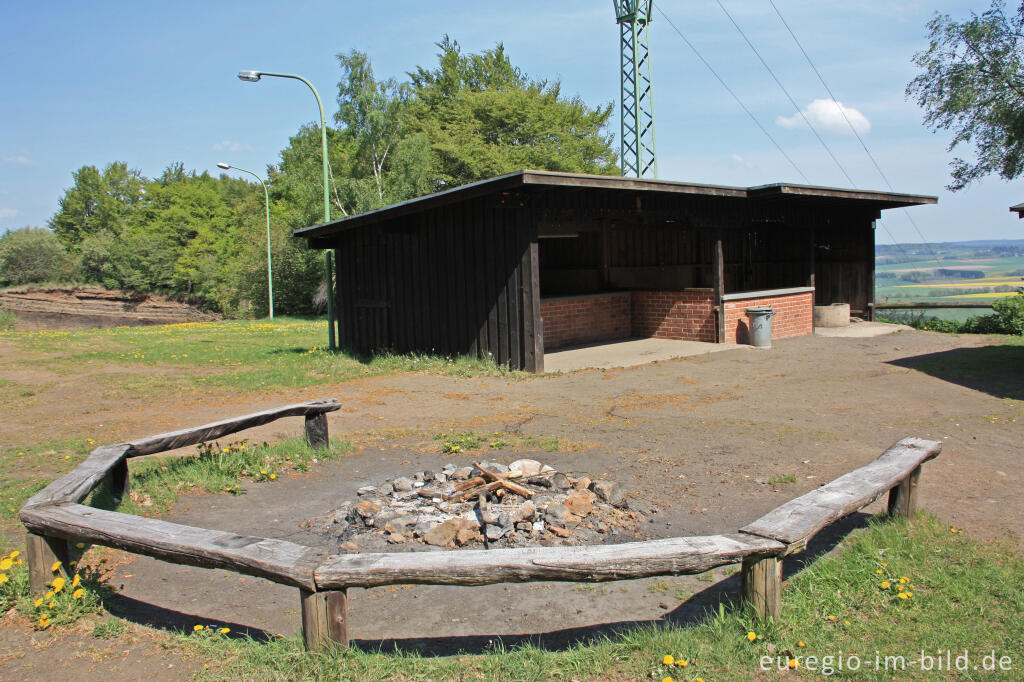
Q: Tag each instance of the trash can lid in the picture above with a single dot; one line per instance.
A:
(760, 311)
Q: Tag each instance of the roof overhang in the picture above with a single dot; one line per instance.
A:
(535, 178)
(1018, 209)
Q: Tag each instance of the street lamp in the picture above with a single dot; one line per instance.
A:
(266, 195)
(254, 77)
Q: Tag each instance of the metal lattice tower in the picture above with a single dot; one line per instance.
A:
(637, 110)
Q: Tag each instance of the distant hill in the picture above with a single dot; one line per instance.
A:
(998, 245)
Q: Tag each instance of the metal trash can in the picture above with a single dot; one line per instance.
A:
(760, 326)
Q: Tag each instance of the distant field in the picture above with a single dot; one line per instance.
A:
(954, 273)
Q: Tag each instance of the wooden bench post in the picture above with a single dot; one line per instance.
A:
(762, 585)
(903, 497)
(117, 481)
(324, 618)
(316, 430)
(41, 553)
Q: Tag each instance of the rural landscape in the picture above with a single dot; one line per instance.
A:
(463, 387)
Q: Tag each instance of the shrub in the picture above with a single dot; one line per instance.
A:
(33, 254)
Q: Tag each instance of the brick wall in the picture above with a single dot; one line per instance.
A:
(585, 319)
(794, 316)
(684, 315)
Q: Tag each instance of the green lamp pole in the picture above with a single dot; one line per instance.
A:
(253, 77)
(270, 268)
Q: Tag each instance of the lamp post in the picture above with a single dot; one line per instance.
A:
(266, 195)
(254, 77)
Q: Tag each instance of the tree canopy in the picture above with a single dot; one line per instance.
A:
(972, 83)
(469, 117)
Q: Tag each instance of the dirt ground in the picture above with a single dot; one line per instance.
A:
(698, 438)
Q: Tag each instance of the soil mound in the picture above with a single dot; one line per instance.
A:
(89, 307)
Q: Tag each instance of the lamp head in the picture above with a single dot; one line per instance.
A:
(225, 166)
(249, 76)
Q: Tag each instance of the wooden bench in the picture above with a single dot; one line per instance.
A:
(56, 520)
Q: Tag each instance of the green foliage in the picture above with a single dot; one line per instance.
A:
(1010, 311)
(97, 202)
(33, 254)
(972, 83)
(7, 321)
(1007, 319)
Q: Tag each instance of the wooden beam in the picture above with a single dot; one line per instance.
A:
(324, 618)
(672, 556)
(762, 585)
(799, 519)
(41, 553)
(718, 270)
(276, 560)
(316, 430)
(76, 485)
(903, 497)
(208, 432)
(925, 305)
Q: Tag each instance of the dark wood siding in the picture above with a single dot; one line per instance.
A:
(447, 281)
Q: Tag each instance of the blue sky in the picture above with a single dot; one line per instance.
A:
(151, 84)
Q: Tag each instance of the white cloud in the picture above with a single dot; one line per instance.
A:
(8, 212)
(231, 146)
(742, 162)
(18, 160)
(826, 115)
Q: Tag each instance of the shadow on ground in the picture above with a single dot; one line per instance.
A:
(693, 611)
(996, 370)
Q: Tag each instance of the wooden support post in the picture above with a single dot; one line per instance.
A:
(324, 618)
(316, 430)
(41, 553)
(117, 481)
(903, 497)
(718, 272)
(762, 585)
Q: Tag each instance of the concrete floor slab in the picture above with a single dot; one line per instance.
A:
(861, 330)
(628, 353)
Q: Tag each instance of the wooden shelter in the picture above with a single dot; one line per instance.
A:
(533, 260)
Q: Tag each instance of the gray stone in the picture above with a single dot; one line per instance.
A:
(428, 475)
(366, 490)
(367, 509)
(495, 532)
(524, 526)
(524, 512)
(541, 481)
(402, 484)
(382, 519)
(442, 534)
(561, 481)
(386, 489)
(441, 477)
(462, 473)
(541, 501)
(526, 467)
(555, 514)
(610, 492)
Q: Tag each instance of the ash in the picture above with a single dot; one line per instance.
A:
(483, 506)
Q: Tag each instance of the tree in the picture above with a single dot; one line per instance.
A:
(972, 83)
(97, 202)
(32, 254)
(484, 117)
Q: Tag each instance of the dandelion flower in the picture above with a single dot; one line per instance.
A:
(44, 622)
(667, 679)
(55, 567)
(668, 659)
(3, 578)
(78, 594)
(273, 476)
(49, 595)
(224, 631)
(76, 581)
(53, 602)
(903, 595)
(885, 585)
(909, 594)
(793, 664)
(15, 554)
(682, 663)
(197, 628)
(5, 564)
(751, 636)
(899, 587)
(904, 580)
(801, 643)
(58, 584)
(884, 564)
(263, 472)
(846, 622)
(879, 571)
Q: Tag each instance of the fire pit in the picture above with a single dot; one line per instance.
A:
(485, 505)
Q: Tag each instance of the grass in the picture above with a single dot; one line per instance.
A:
(157, 483)
(7, 320)
(250, 356)
(967, 596)
(786, 478)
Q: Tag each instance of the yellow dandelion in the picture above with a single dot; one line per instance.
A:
(15, 554)
(263, 472)
(197, 628)
(846, 622)
(58, 584)
(76, 581)
(44, 622)
(3, 578)
(832, 618)
(667, 679)
(224, 631)
(5, 564)
(56, 566)
(80, 545)
(273, 476)
(699, 679)
(904, 580)
(885, 585)
(899, 587)
(49, 595)
(801, 643)
(751, 636)
(903, 595)
(909, 594)
(879, 571)
(667, 659)
(53, 602)
(38, 602)
(793, 664)
(78, 594)
(682, 663)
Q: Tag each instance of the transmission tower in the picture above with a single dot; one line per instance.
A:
(637, 112)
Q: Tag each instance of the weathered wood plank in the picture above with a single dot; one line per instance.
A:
(208, 432)
(277, 560)
(76, 485)
(903, 498)
(316, 430)
(40, 554)
(672, 556)
(804, 516)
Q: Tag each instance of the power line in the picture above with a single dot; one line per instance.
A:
(734, 95)
(846, 118)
